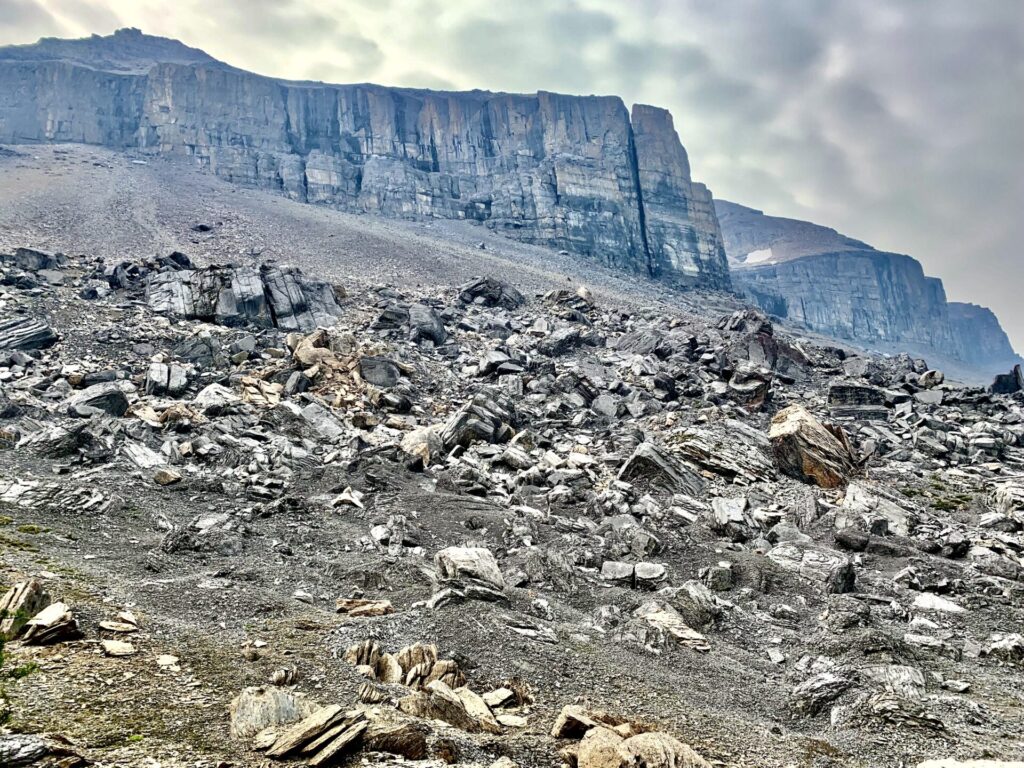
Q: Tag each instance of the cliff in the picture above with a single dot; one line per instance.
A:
(568, 172)
(841, 287)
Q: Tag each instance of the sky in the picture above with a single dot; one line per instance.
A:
(898, 122)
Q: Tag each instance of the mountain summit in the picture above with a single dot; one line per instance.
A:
(126, 50)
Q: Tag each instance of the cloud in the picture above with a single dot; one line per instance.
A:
(25, 21)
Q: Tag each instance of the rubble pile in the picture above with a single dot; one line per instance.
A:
(520, 477)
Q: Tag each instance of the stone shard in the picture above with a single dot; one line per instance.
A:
(808, 450)
(305, 730)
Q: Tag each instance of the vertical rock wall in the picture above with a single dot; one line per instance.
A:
(573, 173)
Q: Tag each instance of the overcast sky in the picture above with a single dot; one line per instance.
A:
(899, 122)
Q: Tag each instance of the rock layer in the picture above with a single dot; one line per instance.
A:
(569, 172)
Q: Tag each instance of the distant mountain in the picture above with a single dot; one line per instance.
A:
(753, 238)
(841, 287)
(579, 173)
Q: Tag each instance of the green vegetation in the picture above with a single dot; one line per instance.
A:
(22, 671)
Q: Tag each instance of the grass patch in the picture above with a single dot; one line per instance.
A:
(22, 671)
(32, 529)
(10, 542)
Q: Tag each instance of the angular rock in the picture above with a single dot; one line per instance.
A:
(426, 323)
(653, 466)
(26, 333)
(256, 709)
(807, 450)
(21, 602)
(99, 398)
(469, 562)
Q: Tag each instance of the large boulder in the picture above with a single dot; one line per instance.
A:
(491, 292)
(469, 562)
(808, 450)
(1008, 383)
(255, 709)
(268, 296)
(603, 747)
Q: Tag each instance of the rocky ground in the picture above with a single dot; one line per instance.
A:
(411, 502)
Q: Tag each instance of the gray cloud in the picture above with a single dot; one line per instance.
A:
(23, 21)
(896, 121)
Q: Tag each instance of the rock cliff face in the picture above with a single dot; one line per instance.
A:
(841, 287)
(575, 173)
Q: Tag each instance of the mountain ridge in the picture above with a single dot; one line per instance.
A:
(799, 269)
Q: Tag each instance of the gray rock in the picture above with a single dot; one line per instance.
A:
(269, 296)
(491, 292)
(99, 398)
(379, 371)
(469, 562)
(426, 323)
(653, 466)
(166, 379)
(26, 333)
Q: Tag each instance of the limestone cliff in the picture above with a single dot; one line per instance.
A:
(575, 173)
(841, 287)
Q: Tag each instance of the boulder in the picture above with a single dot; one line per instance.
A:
(1008, 383)
(22, 601)
(268, 296)
(653, 466)
(426, 324)
(26, 333)
(491, 292)
(806, 449)
(476, 563)
(255, 709)
(857, 401)
(99, 398)
(379, 371)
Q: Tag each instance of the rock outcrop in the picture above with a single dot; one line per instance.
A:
(841, 287)
(569, 172)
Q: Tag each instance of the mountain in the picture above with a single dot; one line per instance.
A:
(841, 287)
(579, 173)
